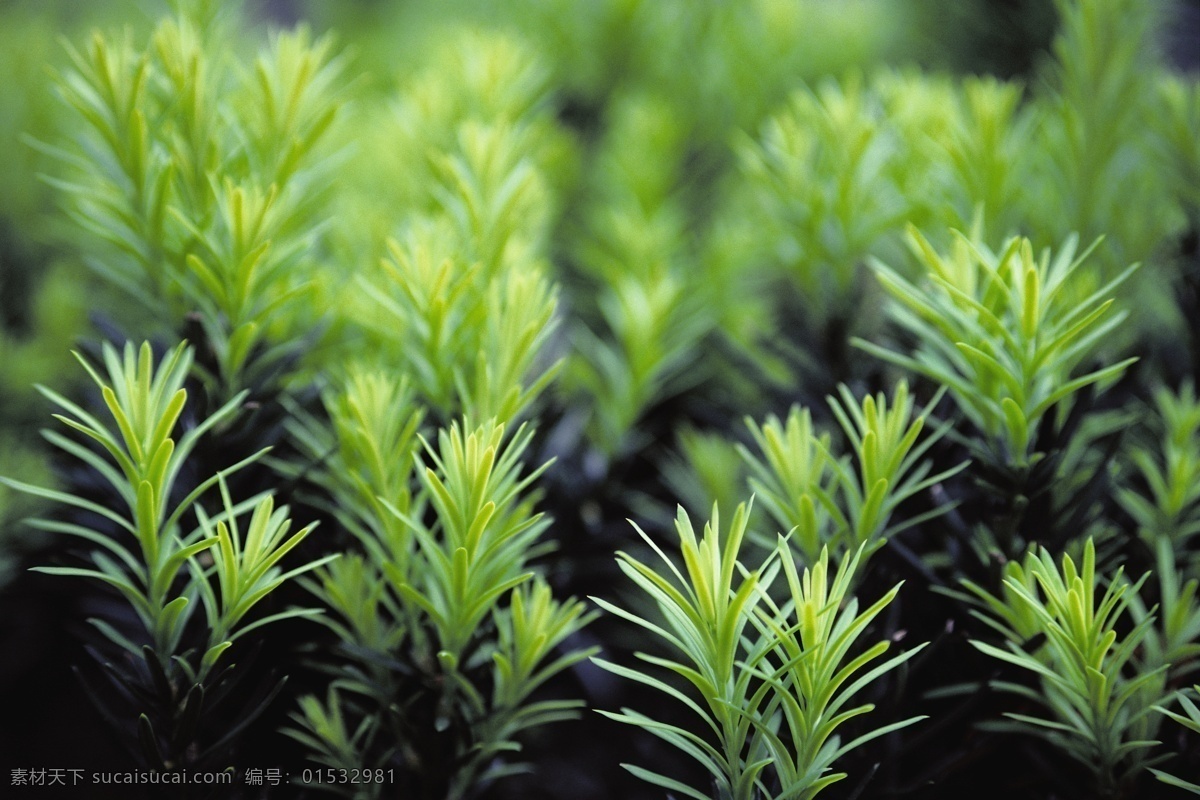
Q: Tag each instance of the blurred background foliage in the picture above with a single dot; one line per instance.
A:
(638, 223)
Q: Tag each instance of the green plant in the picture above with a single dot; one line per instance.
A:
(985, 153)
(384, 256)
(822, 183)
(1192, 723)
(844, 503)
(819, 676)
(707, 466)
(1094, 149)
(200, 183)
(462, 301)
(633, 255)
(1005, 332)
(168, 673)
(1168, 516)
(441, 596)
(774, 679)
(1171, 473)
(1061, 624)
(1180, 118)
(471, 336)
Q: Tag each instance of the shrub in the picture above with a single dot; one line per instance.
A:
(395, 316)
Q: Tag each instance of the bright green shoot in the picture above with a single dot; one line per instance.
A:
(478, 547)
(202, 183)
(822, 186)
(705, 613)
(770, 682)
(141, 461)
(443, 596)
(1005, 332)
(890, 462)
(797, 480)
(814, 671)
(529, 631)
(1098, 698)
(247, 566)
(844, 501)
(471, 334)
(146, 402)
(1167, 513)
(1171, 472)
(155, 564)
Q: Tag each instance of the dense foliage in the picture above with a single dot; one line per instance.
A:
(411, 337)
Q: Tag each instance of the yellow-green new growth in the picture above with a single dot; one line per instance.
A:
(1005, 332)
(1097, 692)
(818, 498)
(771, 680)
(705, 613)
(811, 675)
